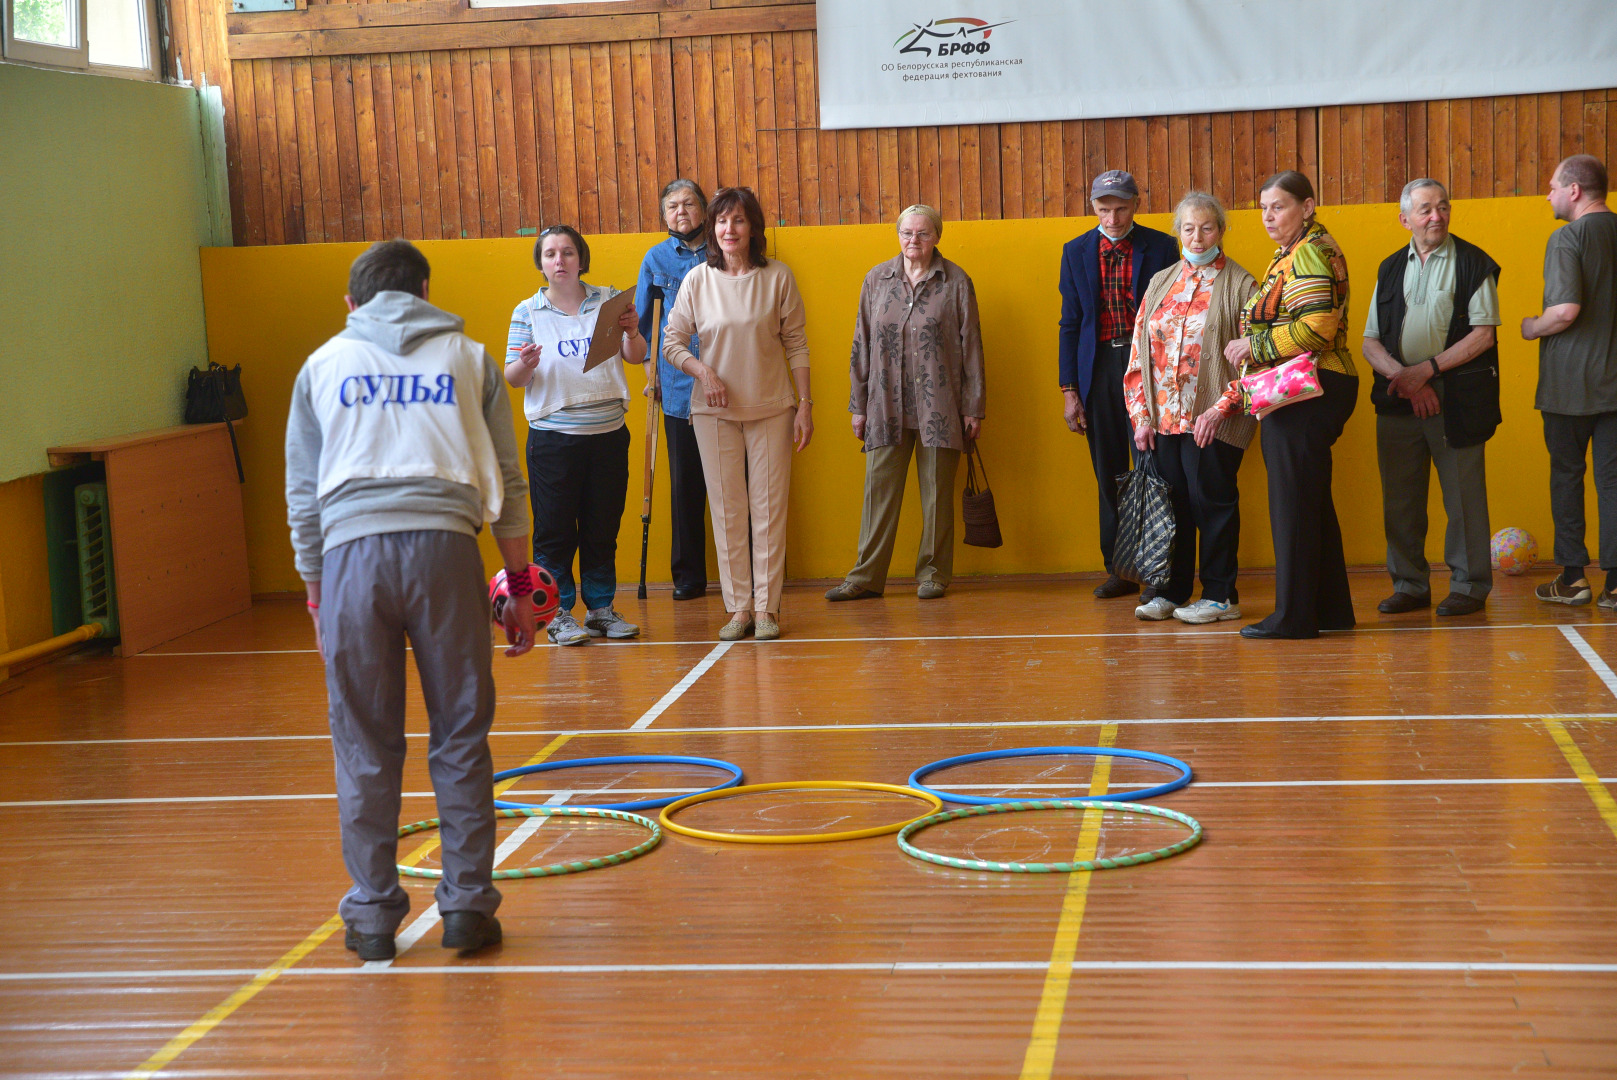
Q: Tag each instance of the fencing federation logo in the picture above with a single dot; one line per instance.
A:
(948, 37)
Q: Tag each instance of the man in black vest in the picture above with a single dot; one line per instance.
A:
(1431, 339)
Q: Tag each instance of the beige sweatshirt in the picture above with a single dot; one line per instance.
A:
(752, 333)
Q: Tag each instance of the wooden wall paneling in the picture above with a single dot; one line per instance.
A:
(507, 158)
(1439, 164)
(310, 201)
(707, 149)
(870, 174)
(463, 125)
(830, 166)
(1227, 149)
(1353, 155)
(1201, 154)
(889, 199)
(1372, 137)
(557, 178)
(1416, 160)
(1482, 127)
(1265, 156)
(810, 202)
(1460, 149)
(1138, 155)
(325, 148)
(389, 187)
(767, 139)
(788, 148)
(1328, 179)
(1287, 154)
(1086, 145)
(585, 150)
(1010, 169)
(1051, 136)
(950, 197)
(1395, 136)
(443, 116)
(928, 181)
(1178, 170)
(1075, 170)
(1594, 125)
(370, 180)
(1504, 146)
(286, 134)
(525, 132)
(1308, 140)
(484, 153)
(1117, 145)
(269, 158)
(1156, 143)
(1571, 127)
(249, 228)
(971, 172)
(846, 154)
(683, 64)
(350, 184)
(1527, 139)
(663, 113)
(643, 153)
(1251, 156)
(746, 116)
(726, 133)
(607, 188)
(403, 137)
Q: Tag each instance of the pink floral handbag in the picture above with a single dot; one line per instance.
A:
(1262, 392)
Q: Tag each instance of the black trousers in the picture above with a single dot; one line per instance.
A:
(687, 505)
(1311, 584)
(1206, 503)
(1568, 439)
(1111, 435)
(577, 485)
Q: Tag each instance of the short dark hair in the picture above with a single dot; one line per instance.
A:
(1586, 171)
(725, 201)
(1290, 181)
(387, 266)
(682, 184)
(572, 234)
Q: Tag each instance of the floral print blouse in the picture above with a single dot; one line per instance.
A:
(1174, 331)
(917, 356)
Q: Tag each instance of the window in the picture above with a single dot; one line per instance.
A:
(115, 37)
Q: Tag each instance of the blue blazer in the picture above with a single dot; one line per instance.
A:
(1080, 296)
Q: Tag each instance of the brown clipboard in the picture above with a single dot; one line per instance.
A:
(607, 341)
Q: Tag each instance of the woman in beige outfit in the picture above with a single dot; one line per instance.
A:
(752, 406)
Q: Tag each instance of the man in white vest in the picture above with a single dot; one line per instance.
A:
(399, 448)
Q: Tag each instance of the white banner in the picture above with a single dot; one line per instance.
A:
(904, 63)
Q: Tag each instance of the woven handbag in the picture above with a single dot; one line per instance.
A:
(1145, 526)
(977, 504)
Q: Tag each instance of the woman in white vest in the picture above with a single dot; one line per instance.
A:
(578, 446)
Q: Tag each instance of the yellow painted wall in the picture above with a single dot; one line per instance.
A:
(269, 307)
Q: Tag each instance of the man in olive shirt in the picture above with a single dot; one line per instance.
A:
(1431, 338)
(1577, 373)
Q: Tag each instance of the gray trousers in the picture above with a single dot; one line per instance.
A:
(1568, 439)
(376, 592)
(886, 470)
(1407, 448)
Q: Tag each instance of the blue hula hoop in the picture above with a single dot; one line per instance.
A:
(633, 759)
(1053, 751)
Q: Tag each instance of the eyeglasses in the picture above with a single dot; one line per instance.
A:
(905, 234)
(552, 230)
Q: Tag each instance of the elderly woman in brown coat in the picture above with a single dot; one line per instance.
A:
(1176, 375)
(917, 375)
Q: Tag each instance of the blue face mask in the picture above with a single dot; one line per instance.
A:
(1203, 259)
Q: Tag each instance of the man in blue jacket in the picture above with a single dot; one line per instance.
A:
(1104, 273)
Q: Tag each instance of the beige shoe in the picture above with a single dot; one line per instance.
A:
(930, 590)
(768, 629)
(847, 590)
(739, 626)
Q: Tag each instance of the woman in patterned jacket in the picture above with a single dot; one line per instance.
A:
(1299, 307)
(917, 375)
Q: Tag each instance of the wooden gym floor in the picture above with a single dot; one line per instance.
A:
(1410, 864)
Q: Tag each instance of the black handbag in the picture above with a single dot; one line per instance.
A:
(1471, 403)
(214, 396)
(977, 504)
(1145, 526)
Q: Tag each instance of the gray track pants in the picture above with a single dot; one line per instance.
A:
(376, 591)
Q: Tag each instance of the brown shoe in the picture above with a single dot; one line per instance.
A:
(1400, 602)
(1559, 592)
(849, 591)
(1114, 587)
(1459, 604)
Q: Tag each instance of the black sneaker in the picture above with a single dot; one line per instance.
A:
(369, 946)
(468, 931)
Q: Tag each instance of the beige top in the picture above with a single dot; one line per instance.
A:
(752, 331)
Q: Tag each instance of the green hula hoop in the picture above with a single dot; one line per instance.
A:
(555, 869)
(1055, 867)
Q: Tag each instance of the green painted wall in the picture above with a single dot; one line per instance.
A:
(102, 209)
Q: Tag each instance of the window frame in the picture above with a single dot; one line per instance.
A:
(76, 57)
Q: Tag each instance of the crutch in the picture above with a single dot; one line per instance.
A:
(654, 407)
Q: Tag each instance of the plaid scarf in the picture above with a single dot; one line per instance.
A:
(1116, 293)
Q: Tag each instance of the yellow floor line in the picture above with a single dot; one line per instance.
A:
(215, 1016)
(1041, 1050)
(1585, 773)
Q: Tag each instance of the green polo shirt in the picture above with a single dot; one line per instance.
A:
(1429, 296)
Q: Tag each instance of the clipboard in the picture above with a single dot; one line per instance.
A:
(607, 341)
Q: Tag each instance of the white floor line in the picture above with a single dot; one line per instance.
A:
(901, 967)
(1181, 637)
(680, 687)
(1585, 650)
(432, 916)
(617, 792)
(1071, 722)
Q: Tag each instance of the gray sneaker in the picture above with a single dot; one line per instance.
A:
(1155, 609)
(607, 623)
(564, 630)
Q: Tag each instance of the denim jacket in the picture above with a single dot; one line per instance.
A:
(663, 268)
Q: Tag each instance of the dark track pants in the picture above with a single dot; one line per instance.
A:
(687, 505)
(577, 485)
(1111, 435)
(1206, 504)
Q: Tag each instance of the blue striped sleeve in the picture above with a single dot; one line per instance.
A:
(520, 332)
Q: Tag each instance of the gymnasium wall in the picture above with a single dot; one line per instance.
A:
(269, 307)
(429, 119)
(101, 190)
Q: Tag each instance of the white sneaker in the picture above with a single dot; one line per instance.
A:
(564, 630)
(1155, 609)
(606, 622)
(1206, 611)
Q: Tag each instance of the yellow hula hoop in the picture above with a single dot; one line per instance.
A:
(801, 838)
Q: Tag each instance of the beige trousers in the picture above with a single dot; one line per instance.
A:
(748, 467)
(886, 469)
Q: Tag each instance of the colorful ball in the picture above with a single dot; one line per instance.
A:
(1513, 551)
(546, 595)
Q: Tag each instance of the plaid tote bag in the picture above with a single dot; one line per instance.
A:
(1144, 551)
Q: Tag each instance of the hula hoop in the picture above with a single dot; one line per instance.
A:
(1056, 867)
(1054, 751)
(799, 838)
(555, 869)
(633, 759)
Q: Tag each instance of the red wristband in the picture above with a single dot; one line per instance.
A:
(311, 605)
(520, 584)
